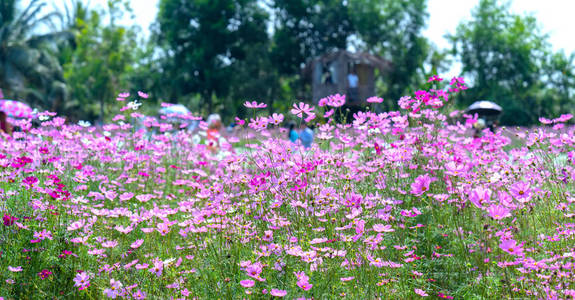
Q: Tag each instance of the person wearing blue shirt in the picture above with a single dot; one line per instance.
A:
(292, 133)
(306, 136)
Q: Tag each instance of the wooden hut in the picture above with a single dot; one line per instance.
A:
(329, 75)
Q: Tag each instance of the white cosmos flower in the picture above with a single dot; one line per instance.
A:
(84, 123)
(134, 105)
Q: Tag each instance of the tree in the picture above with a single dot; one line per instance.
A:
(559, 75)
(203, 41)
(390, 28)
(99, 64)
(393, 29)
(28, 67)
(506, 57)
(306, 28)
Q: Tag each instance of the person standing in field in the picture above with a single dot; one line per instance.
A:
(213, 133)
(4, 125)
(352, 83)
(306, 136)
(292, 133)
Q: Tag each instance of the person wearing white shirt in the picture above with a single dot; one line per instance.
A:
(352, 90)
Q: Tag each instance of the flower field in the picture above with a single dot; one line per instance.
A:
(397, 205)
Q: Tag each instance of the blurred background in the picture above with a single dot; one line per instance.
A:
(74, 57)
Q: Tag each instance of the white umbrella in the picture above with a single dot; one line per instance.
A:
(175, 110)
(484, 107)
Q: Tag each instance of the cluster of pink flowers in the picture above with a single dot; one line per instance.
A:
(399, 204)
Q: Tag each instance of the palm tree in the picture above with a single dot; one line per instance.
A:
(28, 67)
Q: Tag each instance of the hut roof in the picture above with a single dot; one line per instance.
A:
(357, 57)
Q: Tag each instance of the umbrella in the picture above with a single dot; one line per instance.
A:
(484, 107)
(16, 109)
(176, 109)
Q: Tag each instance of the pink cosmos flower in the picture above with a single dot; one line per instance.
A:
(301, 276)
(374, 100)
(247, 283)
(136, 244)
(521, 191)
(140, 295)
(143, 95)
(301, 108)
(163, 228)
(276, 119)
(15, 269)
(157, 268)
(76, 225)
(421, 184)
(82, 280)
(126, 196)
(278, 293)
(124, 230)
(498, 212)
(344, 279)
(564, 118)
(254, 104)
(114, 290)
(254, 270)
(144, 197)
(304, 285)
(434, 78)
(382, 228)
(310, 117)
(42, 235)
(110, 244)
(479, 196)
(510, 246)
(259, 123)
(336, 100)
(239, 121)
(421, 292)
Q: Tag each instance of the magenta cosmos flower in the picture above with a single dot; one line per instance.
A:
(9, 220)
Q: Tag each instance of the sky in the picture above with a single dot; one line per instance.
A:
(554, 16)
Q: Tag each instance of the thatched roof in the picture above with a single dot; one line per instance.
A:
(355, 57)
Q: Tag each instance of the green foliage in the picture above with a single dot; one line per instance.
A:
(305, 29)
(110, 49)
(394, 30)
(507, 57)
(28, 68)
(213, 55)
(204, 41)
(389, 28)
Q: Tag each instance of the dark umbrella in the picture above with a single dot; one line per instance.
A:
(485, 108)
